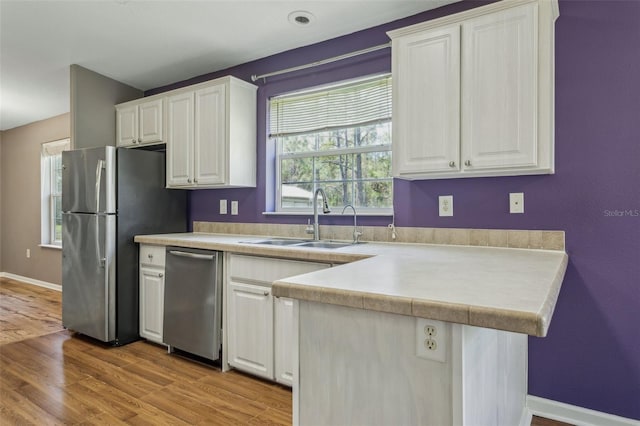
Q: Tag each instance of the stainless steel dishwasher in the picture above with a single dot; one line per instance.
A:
(192, 301)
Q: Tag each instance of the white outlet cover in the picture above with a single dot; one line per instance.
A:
(440, 337)
(234, 208)
(445, 205)
(223, 206)
(516, 202)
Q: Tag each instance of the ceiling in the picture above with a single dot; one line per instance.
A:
(148, 44)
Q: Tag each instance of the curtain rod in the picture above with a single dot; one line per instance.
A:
(322, 62)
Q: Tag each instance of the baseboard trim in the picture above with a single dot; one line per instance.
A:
(526, 417)
(31, 281)
(573, 414)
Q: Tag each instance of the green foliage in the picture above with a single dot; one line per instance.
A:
(344, 162)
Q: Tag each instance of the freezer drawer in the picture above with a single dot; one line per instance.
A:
(88, 275)
(192, 301)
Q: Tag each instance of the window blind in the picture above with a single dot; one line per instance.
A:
(55, 147)
(354, 104)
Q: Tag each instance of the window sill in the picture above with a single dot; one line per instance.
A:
(335, 214)
(50, 246)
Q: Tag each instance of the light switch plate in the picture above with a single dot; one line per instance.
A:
(445, 205)
(516, 202)
(234, 208)
(223, 206)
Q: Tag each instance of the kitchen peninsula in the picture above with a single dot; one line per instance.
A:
(409, 333)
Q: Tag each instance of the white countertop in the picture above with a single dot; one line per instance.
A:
(503, 288)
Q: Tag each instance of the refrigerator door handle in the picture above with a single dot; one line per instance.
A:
(101, 260)
(99, 166)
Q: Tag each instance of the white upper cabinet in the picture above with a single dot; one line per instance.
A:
(180, 119)
(126, 125)
(474, 93)
(211, 135)
(499, 102)
(210, 148)
(139, 122)
(426, 134)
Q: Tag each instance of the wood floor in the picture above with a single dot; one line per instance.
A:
(49, 376)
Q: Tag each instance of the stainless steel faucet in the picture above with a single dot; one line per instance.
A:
(325, 209)
(356, 233)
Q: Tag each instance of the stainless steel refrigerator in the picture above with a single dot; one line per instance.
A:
(109, 195)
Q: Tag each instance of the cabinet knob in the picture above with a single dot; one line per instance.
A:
(139, 140)
(195, 180)
(467, 163)
(133, 140)
(452, 163)
(150, 256)
(160, 275)
(189, 180)
(266, 293)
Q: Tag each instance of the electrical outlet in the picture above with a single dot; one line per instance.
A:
(234, 208)
(431, 344)
(516, 202)
(223, 206)
(28, 253)
(431, 339)
(430, 330)
(445, 205)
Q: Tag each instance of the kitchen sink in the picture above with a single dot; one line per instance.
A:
(277, 242)
(323, 244)
(300, 243)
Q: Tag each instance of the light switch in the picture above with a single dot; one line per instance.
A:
(516, 202)
(445, 205)
(223, 206)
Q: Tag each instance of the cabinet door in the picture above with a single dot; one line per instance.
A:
(210, 136)
(426, 109)
(127, 125)
(180, 140)
(150, 121)
(499, 89)
(283, 340)
(151, 303)
(250, 328)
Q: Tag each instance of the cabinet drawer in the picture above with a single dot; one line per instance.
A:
(152, 255)
(262, 269)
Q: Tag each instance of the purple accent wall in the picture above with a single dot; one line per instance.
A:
(591, 356)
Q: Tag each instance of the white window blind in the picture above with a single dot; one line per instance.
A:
(337, 138)
(354, 104)
(55, 147)
(51, 191)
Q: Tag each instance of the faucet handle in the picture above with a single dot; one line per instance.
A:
(356, 235)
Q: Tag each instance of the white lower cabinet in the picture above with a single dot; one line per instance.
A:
(283, 339)
(259, 327)
(250, 325)
(151, 292)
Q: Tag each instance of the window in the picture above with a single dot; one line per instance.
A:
(339, 139)
(51, 185)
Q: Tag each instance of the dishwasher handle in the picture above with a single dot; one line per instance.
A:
(192, 255)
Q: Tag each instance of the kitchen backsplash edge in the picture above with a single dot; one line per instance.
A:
(533, 239)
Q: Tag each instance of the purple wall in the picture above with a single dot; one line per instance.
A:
(591, 357)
